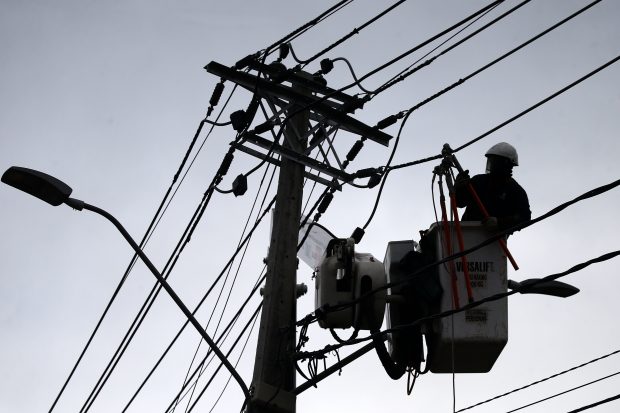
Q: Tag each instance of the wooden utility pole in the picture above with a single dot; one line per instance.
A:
(273, 382)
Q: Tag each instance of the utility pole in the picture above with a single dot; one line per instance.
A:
(310, 120)
(274, 369)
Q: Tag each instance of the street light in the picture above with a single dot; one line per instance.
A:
(56, 192)
(545, 287)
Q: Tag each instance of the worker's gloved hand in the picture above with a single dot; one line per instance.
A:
(490, 223)
(462, 179)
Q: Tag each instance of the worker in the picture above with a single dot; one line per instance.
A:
(504, 199)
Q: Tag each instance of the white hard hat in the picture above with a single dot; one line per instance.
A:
(504, 150)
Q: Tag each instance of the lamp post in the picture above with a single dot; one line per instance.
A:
(544, 287)
(55, 192)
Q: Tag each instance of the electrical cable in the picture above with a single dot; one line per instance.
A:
(401, 56)
(564, 392)
(230, 261)
(146, 236)
(161, 210)
(351, 34)
(607, 400)
(210, 122)
(238, 359)
(512, 119)
(405, 73)
(182, 243)
(502, 57)
(466, 307)
(137, 322)
(589, 194)
(302, 29)
(540, 381)
(240, 261)
(250, 322)
(224, 333)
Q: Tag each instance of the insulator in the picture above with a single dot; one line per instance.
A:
(365, 173)
(325, 202)
(217, 94)
(225, 164)
(390, 120)
(355, 150)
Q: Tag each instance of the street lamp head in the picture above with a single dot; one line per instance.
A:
(545, 287)
(38, 184)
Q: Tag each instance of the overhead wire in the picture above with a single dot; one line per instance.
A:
(170, 264)
(534, 383)
(305, 27)
(224, 334)
(575, 268)
(513, 118)
(228, 353)
(161, 210)
(137, 322)
(296, 33)
(230, 261)
(351, 34)
(240, 261)
(254, 316)
(500, 234)
(502, 57)
(564, 392)
(401, 56)
(237, 363)
(405, 73)
(589, 406)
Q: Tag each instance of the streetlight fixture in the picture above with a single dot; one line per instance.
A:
(545, 287)
(55, 192)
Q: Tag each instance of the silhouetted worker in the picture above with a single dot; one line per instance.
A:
(504, 199)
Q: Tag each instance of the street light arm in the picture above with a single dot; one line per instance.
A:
(79, 205)
(55, 192)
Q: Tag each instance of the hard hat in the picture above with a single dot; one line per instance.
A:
(505, 150)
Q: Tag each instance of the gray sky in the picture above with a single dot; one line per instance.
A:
(107, 96)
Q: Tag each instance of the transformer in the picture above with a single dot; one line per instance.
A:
(344, 276)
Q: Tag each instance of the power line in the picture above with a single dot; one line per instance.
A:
(411, 70)
(505, 55)
(512, 119)
(607, 400)
(238, 359)
(230, 261)
(161, 210)
(240, 260)
(352, 33)
(256, 312)
(448, 313)
(540, 381)
(302, 29)
(589, 194)
(146, 306)
(565, 392)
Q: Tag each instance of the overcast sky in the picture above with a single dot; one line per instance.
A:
(107, 96)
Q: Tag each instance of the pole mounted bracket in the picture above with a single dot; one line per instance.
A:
(271, 398)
